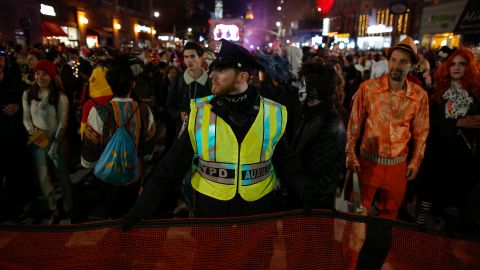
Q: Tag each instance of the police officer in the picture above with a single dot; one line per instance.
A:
(230, 138)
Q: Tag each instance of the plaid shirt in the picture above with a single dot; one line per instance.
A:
(385, 122)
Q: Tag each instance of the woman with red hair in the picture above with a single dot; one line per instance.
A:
(454, 138)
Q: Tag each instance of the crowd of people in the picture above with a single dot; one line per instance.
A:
(406, 122)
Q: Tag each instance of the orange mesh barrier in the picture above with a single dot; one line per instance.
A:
(278, 241)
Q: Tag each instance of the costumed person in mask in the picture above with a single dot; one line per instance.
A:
(230, 139)
(318, 156)
(99, 91)
(319, 138)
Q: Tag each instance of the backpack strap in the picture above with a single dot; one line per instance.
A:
(129, 117)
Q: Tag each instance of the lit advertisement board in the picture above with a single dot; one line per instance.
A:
(226, 31)
(229, 29)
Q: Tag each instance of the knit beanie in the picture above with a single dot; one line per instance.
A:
(46, 66)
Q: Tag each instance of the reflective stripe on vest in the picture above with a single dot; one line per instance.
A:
(224, 173)
(268, 105)
(226, 167)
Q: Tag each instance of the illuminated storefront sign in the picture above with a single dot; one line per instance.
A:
(441, 18)
(326, 26)
(379, 29)
(374, 42)
(166, 38)
(47, 10)
(92, 41)
(344, 37)
(142, 28)
(317, 39)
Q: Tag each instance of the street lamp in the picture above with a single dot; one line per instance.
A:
(117, 26)
(83, 20)
(278, 24)
(279, 8)
(156, 14)
(189, 29)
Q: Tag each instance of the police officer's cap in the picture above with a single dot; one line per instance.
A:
(231, 55)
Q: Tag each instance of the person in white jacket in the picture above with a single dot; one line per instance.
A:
(379, 66)
(45, 111)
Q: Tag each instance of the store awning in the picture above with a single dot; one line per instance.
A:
(51, 29)
(97, 31)
(469, 21)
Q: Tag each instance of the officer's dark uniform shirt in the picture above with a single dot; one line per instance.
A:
(238, 111)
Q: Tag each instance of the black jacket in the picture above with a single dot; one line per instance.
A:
(180, 93)
(287, 95)
(318, 155)
(13, 132)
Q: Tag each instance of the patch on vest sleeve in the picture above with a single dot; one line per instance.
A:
(184, 126)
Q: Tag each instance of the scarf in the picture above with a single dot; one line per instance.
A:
(457, 101)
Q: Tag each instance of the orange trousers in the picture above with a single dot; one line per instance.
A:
(390, 181)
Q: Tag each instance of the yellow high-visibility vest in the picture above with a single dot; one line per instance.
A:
(225, 166)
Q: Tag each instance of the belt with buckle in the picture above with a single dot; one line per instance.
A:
(382, 160)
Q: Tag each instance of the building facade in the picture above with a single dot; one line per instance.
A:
(76, 23)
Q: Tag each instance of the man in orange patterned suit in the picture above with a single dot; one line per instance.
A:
(388, 113)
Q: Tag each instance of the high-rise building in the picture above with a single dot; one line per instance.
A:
(218, 9)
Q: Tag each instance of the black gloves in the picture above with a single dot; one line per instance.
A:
(128, 221)
(144, 208)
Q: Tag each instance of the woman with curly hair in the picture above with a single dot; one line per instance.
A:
(454, 138)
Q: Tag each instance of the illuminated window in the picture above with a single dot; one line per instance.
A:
(400, 23)
(363, 25)
(405, 22)
(384, 17)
